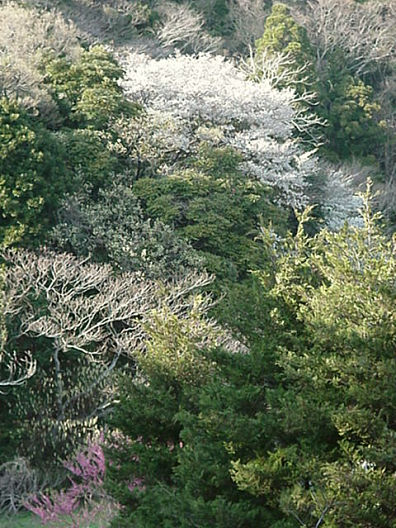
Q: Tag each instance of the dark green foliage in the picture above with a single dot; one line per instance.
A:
(89, 157)
(176, 456)
(346, 102)
(302, 427)
(32, 176)
(213, 206)
(351, 113)
(30, 411)
(86, 90)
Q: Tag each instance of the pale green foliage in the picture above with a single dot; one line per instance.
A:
(176, 346)
(114, 229)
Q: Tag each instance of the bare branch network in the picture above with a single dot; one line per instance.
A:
(84, 307)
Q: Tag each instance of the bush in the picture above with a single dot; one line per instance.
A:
(18, 481)
(84, 502)
(113, 229)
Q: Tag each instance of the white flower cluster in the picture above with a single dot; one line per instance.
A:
(217, 103)
(340, 203)
(209, 88)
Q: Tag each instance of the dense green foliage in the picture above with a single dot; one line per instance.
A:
(86, 90)
(32, 175)
(113, 229)
(302, 427)
(235, 357)
(351, 113)
(212, 205)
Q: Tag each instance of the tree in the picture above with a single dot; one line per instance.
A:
(18, 370)
(113, 229)
(28, 35)
(33, 175)
(149, 440)
(86, 90)
(296, 431)
(215, 101)
(352, 115)
(365, 32)
(80, 321)
(335, 321)
(182, 26)
(212, 206)
(336, 73)
(283, 35)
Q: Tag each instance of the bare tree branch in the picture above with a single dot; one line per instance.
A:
(84, 307)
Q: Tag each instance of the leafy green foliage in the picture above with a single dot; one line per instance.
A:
(213, 206)
(350, 109)
(32, 176)
(89, 157)
(335, 327)
(113, 229)
(86, 90)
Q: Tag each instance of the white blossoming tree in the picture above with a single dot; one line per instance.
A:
(218, 104)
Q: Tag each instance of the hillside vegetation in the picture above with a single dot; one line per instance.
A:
(197, 263)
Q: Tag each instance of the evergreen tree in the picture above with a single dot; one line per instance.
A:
(299, 430)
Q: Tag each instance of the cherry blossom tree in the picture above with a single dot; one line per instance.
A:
(211, 92)
(212, 99)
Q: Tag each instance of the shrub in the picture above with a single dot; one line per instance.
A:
(85, 501)
(18, 481)
(87, 91)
